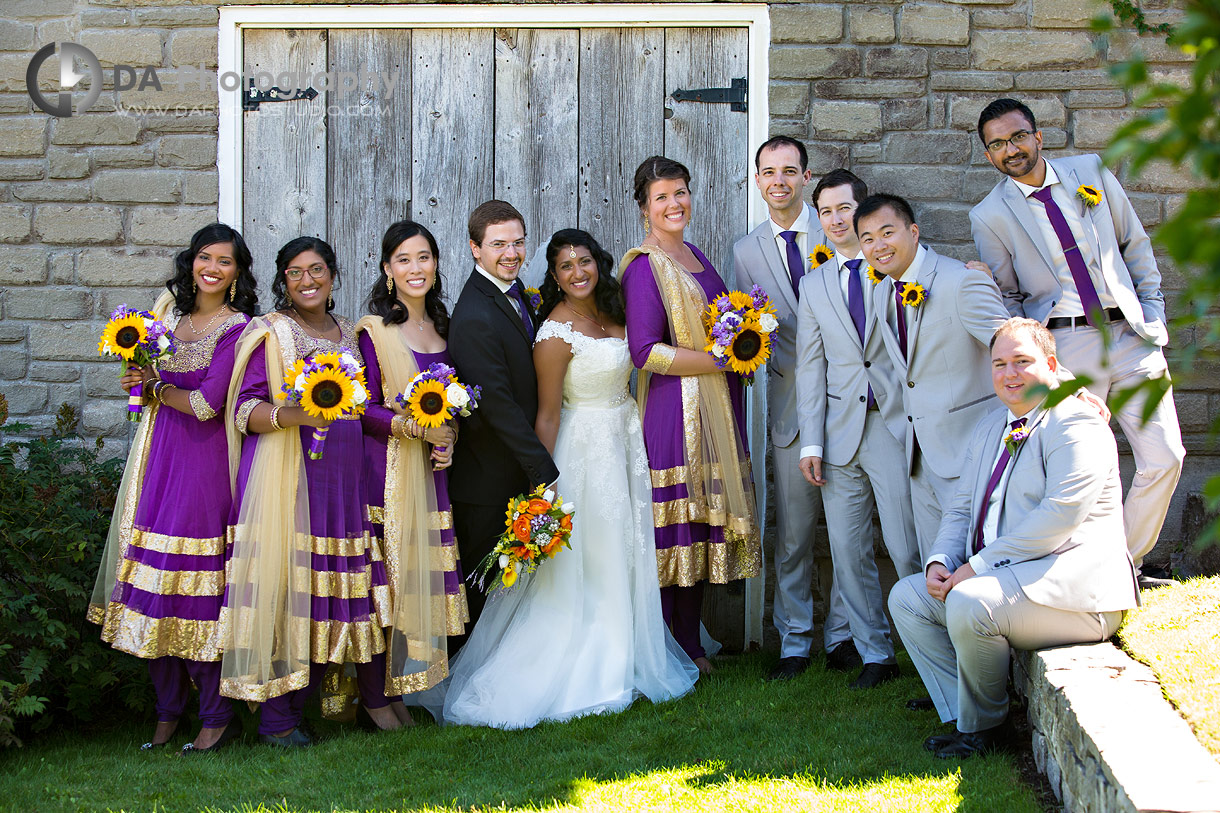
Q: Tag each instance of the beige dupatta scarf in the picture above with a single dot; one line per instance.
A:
(265, 621)
(717, 477)
(101, 609)
(416, 655)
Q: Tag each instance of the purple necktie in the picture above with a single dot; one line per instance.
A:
(523, 311)
(795, 266)
(899, 289)
(855, 306)
(996, 474)
(1071, 252)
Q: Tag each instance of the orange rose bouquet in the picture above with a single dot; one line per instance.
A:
(537, 525)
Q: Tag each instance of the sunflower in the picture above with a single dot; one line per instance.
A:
(874, 276)
(427, 404)
(123, 336)
(740, 300)
(1089, 195)
(749, 349)
(326, 360)
(914, 295)
(327, 395)
(821, 254)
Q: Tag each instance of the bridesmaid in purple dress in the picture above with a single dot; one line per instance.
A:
(306, 585)
(703, 496)
(159, 590)
(405, 334)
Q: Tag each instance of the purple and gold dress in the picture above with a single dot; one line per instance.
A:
(164, 574)
(690, 549)
(349, 602)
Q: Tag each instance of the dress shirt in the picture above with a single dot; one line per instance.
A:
(801, 227)
(1069, 302)
(910, 276)
(504, 287)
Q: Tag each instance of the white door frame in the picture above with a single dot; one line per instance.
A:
(754, 17)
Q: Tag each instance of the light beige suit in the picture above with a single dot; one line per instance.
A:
(1010, 242)
(1057, 571)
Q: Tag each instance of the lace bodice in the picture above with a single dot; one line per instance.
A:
(599, 371)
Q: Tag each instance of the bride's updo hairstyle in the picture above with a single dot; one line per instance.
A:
(607, 294)
(657, 168)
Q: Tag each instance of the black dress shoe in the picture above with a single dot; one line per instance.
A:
(296, 738)
(843, 658)
(964, 745)
(232, 732)
(874, 674)
(788, 668)
(1152, 582)
(920, 704)
(938, 741)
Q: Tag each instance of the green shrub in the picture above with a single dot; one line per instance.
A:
(56, 497)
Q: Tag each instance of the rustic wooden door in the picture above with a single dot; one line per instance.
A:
(554, 121)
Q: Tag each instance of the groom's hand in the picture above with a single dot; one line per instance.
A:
(811, 467)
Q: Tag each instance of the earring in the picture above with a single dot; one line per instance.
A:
(330, 301)
(233, 291)
(389, 284)
(194, 286)
(647, 225)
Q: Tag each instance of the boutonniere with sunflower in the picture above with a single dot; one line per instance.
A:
(1089, 195)
(1014, 439)
(821, 254)
(874, 276)
(914, 295)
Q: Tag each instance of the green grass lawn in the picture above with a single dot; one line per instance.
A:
(735, 743)
(1176, 631)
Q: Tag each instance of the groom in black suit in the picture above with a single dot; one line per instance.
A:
(491, 337)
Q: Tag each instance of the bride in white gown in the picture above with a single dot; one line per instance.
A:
(584, 633)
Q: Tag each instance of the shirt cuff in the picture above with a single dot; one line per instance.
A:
(979, 564)
(200, 406)
(811, 451)
(939, 558)
(660, 358)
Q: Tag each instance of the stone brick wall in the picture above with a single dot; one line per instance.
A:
(93, 207)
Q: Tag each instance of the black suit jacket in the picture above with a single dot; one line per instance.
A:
(498, 455)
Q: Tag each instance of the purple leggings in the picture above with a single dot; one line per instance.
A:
(284, 713)
(682, 608)
(172, 678)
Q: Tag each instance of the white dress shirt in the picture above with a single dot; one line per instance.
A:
(504, 288)
(801, 227)
(1069, 304)
(910, 276)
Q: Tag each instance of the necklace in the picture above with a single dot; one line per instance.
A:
(586, 318)
(317, 333)
(219, 312)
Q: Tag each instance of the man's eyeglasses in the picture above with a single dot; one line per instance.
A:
(1018, 139)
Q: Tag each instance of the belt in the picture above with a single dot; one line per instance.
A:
(1111, 315)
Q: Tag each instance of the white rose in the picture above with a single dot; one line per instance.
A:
(348, 359)
(361, 394)
(456, 394)
(717, 351)
(163, 343)
(767, 322)
(568, 507)
(503, 561)
(299, 384)
(548, 495)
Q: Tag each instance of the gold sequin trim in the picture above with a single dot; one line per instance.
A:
(241, 418)
(306, 345)
(161, 543)
(339, 690)
(417, 681)
(335, 546)
(457, 612)
(660, 358)
(341, 641)
(202, 583)
(737, 557)
(197, 355)
(684, 510)
(129, 631)
(442, 520)
(333, 584)
(375, 514)
(202, 409)
(262, 692)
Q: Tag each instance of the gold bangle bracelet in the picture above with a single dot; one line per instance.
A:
(275, 415)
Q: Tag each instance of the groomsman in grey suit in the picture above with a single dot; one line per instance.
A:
(775, 256)
(1067, 249)
(852, 425)
(1031, 552)
(937, 317)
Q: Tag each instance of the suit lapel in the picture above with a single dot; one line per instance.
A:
(1020, 208)
(776, 264)
(830, 280)
(501, 302)
(983, 468)
(925, 277)
(883, 308)
(1012, 464)
(1071, 181)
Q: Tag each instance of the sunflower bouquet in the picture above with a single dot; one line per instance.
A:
(436, 395)
(739, 328)
(329, 386)
(139, 339)
(537, 525)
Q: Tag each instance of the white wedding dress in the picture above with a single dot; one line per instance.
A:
(584, 633)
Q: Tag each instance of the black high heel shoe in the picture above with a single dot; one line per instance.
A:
(232, 732)
(153, 746)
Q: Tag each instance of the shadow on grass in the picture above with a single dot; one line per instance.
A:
(736, 742)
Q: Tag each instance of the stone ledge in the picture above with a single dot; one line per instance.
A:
(1106, 738)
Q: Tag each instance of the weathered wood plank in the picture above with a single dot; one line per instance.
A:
(710, 139)
(284, 189)
(536, 128)
(622, 109)
(368, 148)
(452, 86)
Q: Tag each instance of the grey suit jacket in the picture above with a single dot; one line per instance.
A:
(1060, 527)
(1011, 244)
(947, 379)
(834, 370)
(757, 261)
